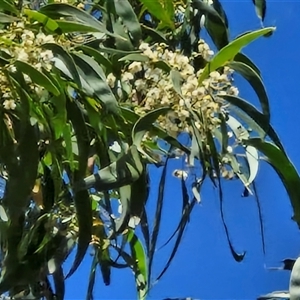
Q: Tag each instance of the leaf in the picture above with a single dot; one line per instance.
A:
(155, 35)
(143, 125)
(67, 60)
(140, 269)
(81, 198)
(227, 54)
(122, 222)
(260, 8)
(5, 18)
(75, 27)
(135, 57)
(219, 8)
(177, 81)
(294, 281)
(285, 170)
(57, 10)
(277, 295)
(92, 277)
(180, 229)
(67, 136)
(252, 158)
(6, 6)
(104, 263)
(98, 57)
(256, 82)
(139, 195)
(59, 283)
(132, 117)
(95, 78)
(145, 229)
(257, 117)
(125, 11)
(3, 214)
(37, 77)
(240, 57)
(261, 224)
(169, 7)
(214, 24)
(127, 169)
(215, 159)
(48, 23)
(155, 8)
(251, 153)
(157, 218)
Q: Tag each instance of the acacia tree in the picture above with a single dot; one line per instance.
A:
(88, 92)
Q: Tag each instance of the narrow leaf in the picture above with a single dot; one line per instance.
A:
(130, 20)
(57, 10)
(95, 78)
(48, 23)
(156, 9)
(81, 198)
(37, 77)
(285, 170)
(214, 24)
(256, 82)
(138, 255)
(260, 8)
(157, 218)
(256, 116)
(227, 54)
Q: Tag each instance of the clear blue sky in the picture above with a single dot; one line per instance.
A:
(204, 268)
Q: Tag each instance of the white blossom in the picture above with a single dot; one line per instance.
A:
(9, 104)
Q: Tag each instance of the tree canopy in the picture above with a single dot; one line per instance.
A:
(91, 95)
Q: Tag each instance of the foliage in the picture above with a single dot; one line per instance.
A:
(88, 92)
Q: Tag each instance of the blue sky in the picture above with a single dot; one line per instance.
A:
(204, 268)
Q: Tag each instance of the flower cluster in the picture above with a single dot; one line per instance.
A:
(151, 86)
(19, 43)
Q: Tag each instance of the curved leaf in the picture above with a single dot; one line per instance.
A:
(135, 57)
(263, 127)
(140, 268)
(214, 23)
(157, 218)
(81, 198)
(180, 229)
(219, 8)
(285, 170)
(240, 57)
(294, 286)
(125, 194)
(5, 18)
(37, 77)
(57, 10)
(7, 6)
(143, 125)
(48, 23)
(227, 54)
(127, 169)
(94, 76)
(252, 159)
(256, 82)
(59, 283)
(98, 57)
(130, 20)
(251, 153)
(132, 117)
(65, 57)
(74, 27)
(260, 8)
(156, 9)
(92, 277)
